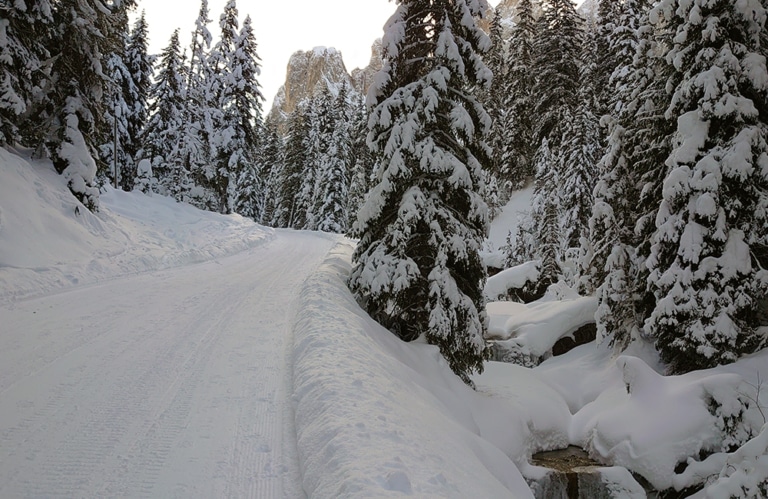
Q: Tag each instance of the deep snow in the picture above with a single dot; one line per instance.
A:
(155, 349)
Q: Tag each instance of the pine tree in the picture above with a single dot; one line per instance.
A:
(201, 114)
(334, 170)
(544, 242)
(417, 269)
(272, 161)
(114, 162)
(319, 128)
(291, 172)
(73, 114)
(23, 30)
(611, 264)
(361, 161)
(225, 150)
(704, 274)
(606, 56)
(164, 132)
(557, 49)
(245, 112)
(495, 102)
(140, 67)
(519, 146)
(580, 153)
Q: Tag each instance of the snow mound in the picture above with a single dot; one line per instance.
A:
(534, 328)
(658, 421)
(49, 240)
(498, 286)
(377, 417)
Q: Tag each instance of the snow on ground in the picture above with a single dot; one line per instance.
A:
(503, 224)
(49, 240)
(377, 417)
(257, 375)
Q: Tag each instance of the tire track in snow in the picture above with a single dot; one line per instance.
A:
(191, 398)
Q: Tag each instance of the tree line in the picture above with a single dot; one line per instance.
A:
(643, 133)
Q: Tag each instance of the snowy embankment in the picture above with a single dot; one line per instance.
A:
(48, 240)
(376, 417)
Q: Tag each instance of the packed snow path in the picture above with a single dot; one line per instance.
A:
(169, 384)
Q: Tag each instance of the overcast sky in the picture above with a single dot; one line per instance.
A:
(281, 28)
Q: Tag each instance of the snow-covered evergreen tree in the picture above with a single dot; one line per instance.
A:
(610, 263)
(245, 110)
(73, 111)
(272, 161)
(145, 179)
(201, 113)
(417, 268)
(23, 31)
(164, 132)
(361, 161)
(291, 171)
(495, 102)
(334, 167)
(580, 153)
(114, 162)
(236, 92)
(140, 67)
(557, 46)
(704, 272)
(519, 146)
(545, 210)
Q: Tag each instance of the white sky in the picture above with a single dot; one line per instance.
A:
(281, 29)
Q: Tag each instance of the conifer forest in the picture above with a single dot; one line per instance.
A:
(643, 132)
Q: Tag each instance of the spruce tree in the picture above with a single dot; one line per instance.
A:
(164, 132)
(140, 67)
(115, 163)
(611, 265)
(495, 102)
(704, 273)
(557, 49)
(334, 170)
(519, 146)
(225, 148)
(243, 106)
(201, 113)
(23, 31)
(361, 161)
(73, 112)
(291, 172)
(271, 160)
(417, 268)
(544, 241)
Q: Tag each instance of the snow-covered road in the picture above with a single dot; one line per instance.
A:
(173, 383)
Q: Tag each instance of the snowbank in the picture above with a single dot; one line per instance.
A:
(376, 417)
(497, 287)
(49, 240)
(532, 329)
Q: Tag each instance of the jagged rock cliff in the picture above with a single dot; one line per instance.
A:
(308, 73)
(363, 77)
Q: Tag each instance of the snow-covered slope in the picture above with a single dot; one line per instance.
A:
(49, 240)
(185, 382)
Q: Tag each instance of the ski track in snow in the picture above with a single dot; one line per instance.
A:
(175, 383)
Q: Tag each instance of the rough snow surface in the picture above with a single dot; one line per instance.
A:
(257, 375)
(376, 417)
(516, 277)
(539, 325)
(48, 239)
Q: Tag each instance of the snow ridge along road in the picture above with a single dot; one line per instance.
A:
(174, 383)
